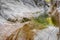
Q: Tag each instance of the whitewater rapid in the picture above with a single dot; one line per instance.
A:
(17, 9)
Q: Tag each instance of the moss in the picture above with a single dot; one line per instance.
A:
(41, 19)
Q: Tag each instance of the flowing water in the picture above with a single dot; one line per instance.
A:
(17, 9)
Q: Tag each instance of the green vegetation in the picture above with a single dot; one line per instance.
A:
(40, 22)
(41, 19)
